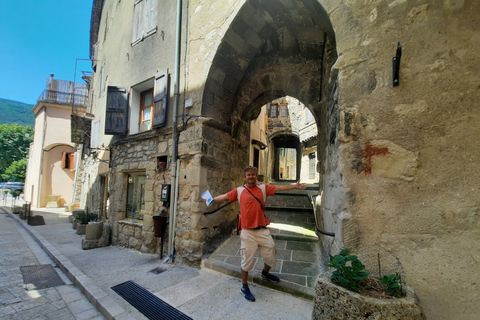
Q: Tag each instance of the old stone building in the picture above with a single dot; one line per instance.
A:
(393, 89)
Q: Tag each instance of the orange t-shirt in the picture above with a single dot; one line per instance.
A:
(251, 214)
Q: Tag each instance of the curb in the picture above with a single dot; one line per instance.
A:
(99, 298)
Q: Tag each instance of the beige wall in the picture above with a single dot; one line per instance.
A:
(35, 160)
(44, 173)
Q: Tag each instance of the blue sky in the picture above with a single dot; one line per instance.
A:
(39, 37)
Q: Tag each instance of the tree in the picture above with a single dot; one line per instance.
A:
(14, 144)
(16, 170)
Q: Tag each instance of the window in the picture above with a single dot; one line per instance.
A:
(141, 109)
(146, 110)
(284, 111)
(135, 196)
(273, 111)
(95, 134)
(144, 20)
(68, 160)
(312, 162)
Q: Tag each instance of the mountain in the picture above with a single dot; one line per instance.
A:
(16, 112)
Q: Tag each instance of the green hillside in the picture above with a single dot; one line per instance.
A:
(16, 112)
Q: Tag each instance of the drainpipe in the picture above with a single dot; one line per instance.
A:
(173, 201)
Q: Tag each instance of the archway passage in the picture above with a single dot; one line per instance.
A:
(271, 50)
(286, 163)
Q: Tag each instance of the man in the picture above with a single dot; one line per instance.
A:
(253, 224)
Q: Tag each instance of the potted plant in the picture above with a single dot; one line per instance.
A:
(350, 292)
(83, 219)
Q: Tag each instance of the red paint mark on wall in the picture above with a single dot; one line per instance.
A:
(368, 152)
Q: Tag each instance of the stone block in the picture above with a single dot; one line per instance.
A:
(52, 201)
(72, 206)
(36, 221)
(81, 228)
(94, 230)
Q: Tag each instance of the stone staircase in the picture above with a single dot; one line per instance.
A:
(292, 226)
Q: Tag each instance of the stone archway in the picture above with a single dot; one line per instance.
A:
(269, 51)
(282, 141)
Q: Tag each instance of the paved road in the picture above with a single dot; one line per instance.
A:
(18, 249)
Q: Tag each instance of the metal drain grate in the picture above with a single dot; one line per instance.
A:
(40, 277)
(147, 303)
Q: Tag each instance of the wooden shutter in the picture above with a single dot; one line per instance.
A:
(144, 19)
(160, 98)
(71, 160)
(64, 159)
(117, 111)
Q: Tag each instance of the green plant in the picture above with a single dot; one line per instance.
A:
(394, 285)
(86, 217)
(14, 193)
(349, 270)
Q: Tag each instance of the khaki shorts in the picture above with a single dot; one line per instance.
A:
(250, 241)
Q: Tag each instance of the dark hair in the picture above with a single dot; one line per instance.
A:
(250, 169)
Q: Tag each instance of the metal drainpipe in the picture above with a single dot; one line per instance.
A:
(173, 212)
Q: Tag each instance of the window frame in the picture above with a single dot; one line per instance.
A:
(133, 183)
(143, 107)
(68, 160)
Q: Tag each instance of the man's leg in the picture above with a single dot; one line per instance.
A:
(266, 268)
(268, 252)
(244, 277)
(248, 252)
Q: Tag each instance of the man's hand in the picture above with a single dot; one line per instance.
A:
(287, 187)
(299, 185)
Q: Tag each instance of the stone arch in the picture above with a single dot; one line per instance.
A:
(270, 50)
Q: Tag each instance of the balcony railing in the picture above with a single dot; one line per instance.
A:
(65, 98)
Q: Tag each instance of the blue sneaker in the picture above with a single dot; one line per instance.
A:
(270, 277)
(247, 294)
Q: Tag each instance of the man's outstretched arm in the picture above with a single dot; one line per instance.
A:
(298, 185)
(221, 197)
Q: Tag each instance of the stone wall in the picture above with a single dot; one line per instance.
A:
(403, 182)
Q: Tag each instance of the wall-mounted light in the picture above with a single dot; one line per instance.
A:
(396, 65)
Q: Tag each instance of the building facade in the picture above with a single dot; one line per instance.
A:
(53, 158)
(392, 87)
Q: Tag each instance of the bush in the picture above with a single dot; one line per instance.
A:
(85, 217)
(349, 270)
(349, 273)
(394, 285)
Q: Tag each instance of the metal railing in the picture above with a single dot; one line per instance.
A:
(65, 98)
